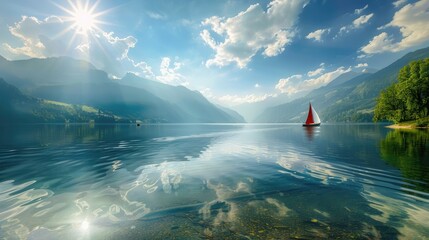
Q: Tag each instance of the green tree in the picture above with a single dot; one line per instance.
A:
(407, 99)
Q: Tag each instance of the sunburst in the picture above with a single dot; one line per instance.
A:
(83, 16)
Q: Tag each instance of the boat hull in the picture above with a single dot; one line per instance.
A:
(311, 125)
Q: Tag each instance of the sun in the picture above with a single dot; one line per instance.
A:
(83, 16)
(84, 21)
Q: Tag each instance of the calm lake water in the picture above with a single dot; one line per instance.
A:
(213, 181)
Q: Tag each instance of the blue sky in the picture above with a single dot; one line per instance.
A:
(233, 51)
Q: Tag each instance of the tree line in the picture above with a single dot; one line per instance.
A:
(408, 98)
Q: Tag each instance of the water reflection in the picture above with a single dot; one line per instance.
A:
(310, 132)
(408, 150)
(193, 182)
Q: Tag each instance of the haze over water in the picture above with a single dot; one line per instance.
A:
(213, 181)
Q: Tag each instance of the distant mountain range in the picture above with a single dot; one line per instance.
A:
(346, 99)
(68, 82)
(64, 89)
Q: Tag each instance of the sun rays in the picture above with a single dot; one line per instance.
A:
(83, 19)
(83, 16)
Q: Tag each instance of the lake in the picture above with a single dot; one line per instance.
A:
(213, 181)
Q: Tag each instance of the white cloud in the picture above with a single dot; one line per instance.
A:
(342, 30)
(361, 65)
(360, 10)
(317, 35)
(157, 16)
(379, 43)
(360, 21)
(412, 21)
(31, 33)
(170, 74)
(207, 92)
(250, 98)
(325, 78)
(357, 23)
(289, 85)
(296, 83)
(251, 31)
(54, 37)
(144, 68)
(231, 100)
(108, 52)
(316, 72)
(399, 3)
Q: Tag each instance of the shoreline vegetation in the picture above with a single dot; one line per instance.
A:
(418, 124)
(407, 126)
(406, 102)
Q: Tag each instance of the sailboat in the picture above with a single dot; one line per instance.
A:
(312, 118)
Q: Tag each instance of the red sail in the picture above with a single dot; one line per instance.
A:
(310, 119)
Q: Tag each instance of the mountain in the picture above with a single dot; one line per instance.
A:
(16, 107)
(26, 74)
(232, 113)
(73, 81)
(296, 110)
(343, 101)
(252, 111)
(192, 103)
(342, 79)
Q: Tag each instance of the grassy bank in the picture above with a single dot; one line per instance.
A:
(421, 123)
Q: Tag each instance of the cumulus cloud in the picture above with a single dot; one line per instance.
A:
(316, 72)
(361, 65)
(360, 10)
(290, 84)
(360, 21)
(380, 43)
(317, 35)
(170, 74)
(252, 30)
(412, 22)
(32, 36)
(399, 3)
(54, 36)
(296, 83)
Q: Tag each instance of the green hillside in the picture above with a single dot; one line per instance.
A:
(15, 107)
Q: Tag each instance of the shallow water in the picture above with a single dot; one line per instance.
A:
(213, 181)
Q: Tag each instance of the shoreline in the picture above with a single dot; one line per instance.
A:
(410, 126)
(397, 126)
